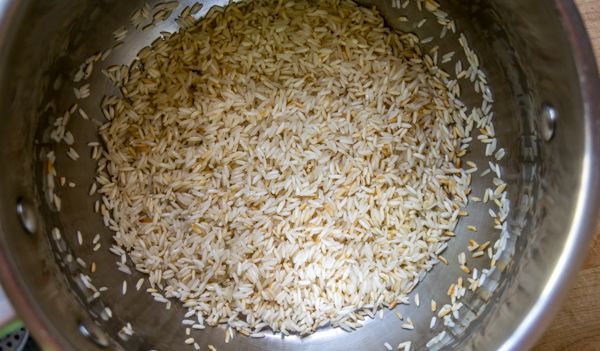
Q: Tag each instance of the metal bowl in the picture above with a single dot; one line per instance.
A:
(543, 76)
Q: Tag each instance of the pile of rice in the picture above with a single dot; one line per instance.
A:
(284, 165)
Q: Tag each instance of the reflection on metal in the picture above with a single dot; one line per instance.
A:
(548, 122)
(27, 215)
(93, 332)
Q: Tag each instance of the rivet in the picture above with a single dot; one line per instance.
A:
(548, 122)
(27, 216)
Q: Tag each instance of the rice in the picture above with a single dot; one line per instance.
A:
(432, 322)
(120, 34)
(72, 154)
(93, 188)
(405, 346)
(82, 92)
(139, 284)
(271, 156)
(408, 325)
(57, 202)
(56, 235)
(290, 169)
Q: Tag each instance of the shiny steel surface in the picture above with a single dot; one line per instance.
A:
(536, 54)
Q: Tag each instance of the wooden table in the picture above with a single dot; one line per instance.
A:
(577, 324)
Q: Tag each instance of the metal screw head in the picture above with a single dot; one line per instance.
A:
(27, 216)
(93, 332)
(548, 122)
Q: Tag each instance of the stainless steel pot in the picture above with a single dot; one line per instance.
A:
(543, 75)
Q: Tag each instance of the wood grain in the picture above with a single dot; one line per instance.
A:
(590, 11)
(577, 325)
